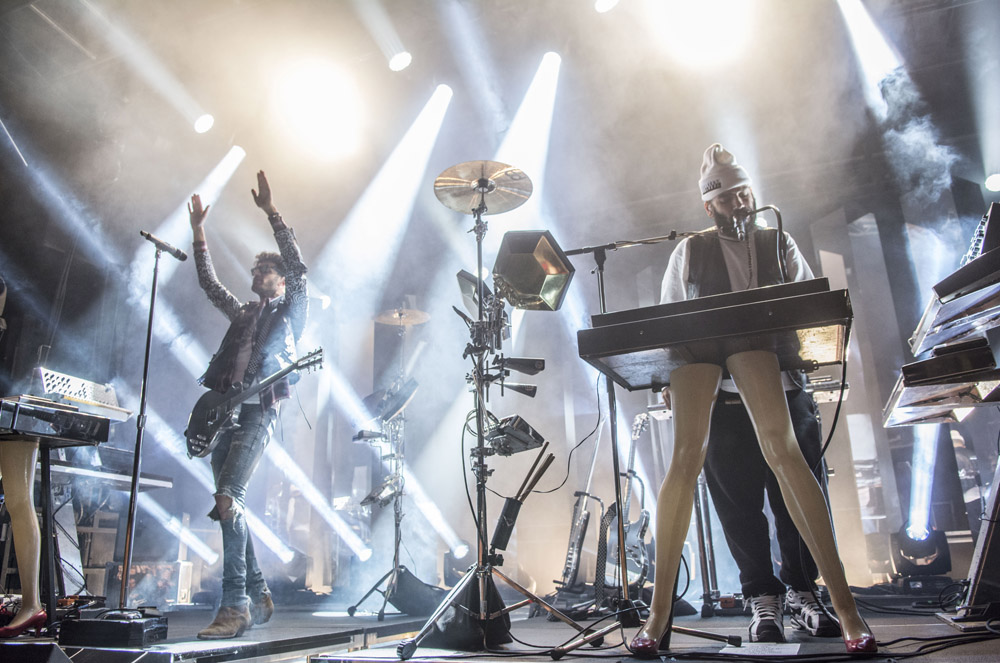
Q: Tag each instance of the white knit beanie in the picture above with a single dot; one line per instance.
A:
(720, 173)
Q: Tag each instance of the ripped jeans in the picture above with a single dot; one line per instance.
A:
(233, 463)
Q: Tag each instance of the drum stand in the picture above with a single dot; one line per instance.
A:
(391, 412)
(395, 480)
(486, 336)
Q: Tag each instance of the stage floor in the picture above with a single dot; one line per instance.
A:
(317, 636)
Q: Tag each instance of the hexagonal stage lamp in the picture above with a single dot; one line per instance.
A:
(531, 271)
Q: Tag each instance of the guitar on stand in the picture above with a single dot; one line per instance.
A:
(636, 554)
(216, 413)
(572, 594)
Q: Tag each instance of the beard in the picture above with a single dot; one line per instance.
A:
(729, 225)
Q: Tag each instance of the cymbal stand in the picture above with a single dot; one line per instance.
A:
(486, 337)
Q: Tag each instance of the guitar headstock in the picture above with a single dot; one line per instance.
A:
(313, 360)
(639, 425)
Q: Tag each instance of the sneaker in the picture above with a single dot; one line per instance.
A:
(809, 616)
(766, 624)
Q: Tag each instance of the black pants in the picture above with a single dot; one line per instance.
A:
(737, 477)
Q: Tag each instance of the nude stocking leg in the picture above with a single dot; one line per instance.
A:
(693, 389)
(758, 380)
(17, 467)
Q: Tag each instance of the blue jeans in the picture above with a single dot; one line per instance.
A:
(233, 462)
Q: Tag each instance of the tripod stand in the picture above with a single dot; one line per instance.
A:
(465, 188)
(390, 412)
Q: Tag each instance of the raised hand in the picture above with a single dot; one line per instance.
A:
(196, 212)
(263, 199)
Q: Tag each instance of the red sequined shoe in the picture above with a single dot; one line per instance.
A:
(37, 622)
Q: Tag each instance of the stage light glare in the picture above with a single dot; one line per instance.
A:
(679, 27)
(204, 123)
(460, 551)
(277, 455)
(922, 464)
(175, 527)
(876, 57)
(603, 6)
(400, 61)
(993, 182)
(917, 532)
(320, 109)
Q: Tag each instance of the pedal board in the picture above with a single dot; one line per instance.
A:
(132, 630)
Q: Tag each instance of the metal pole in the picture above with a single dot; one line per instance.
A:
(140, 423)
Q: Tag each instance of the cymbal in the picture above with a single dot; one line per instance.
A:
(402, 316)
(499, 186)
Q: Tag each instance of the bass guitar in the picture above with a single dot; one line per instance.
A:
(216, 413)
(636, 555)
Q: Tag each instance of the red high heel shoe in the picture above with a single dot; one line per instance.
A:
(645, 647)
(864, 645)
(37, 622)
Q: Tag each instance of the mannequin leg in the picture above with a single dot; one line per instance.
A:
(17, 468)
(693, 389)
(758, 379)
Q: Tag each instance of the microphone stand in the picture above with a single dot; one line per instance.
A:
(140, 428)
(627, 610)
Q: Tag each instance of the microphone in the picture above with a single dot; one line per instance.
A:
(740, 217)
(163, 246)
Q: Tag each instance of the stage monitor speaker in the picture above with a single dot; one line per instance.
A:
(413, 596)
(32, 652)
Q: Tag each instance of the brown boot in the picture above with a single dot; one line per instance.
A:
(229, 623)
(261, 609)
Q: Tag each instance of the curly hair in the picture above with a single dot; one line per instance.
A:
(273, 258)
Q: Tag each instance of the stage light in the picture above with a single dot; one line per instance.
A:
(602, 6)
(920, 551)
(359, 258)
(461, 550)
(679, 27)
(400, 61)
(138, 57)
(319, 107)
(875, 56)
(372, 13)
(204, 123)
(993, 182)
(922, 478)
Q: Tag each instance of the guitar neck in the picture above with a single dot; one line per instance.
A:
(308, 360)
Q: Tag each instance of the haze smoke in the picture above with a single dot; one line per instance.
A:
(921, 164)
